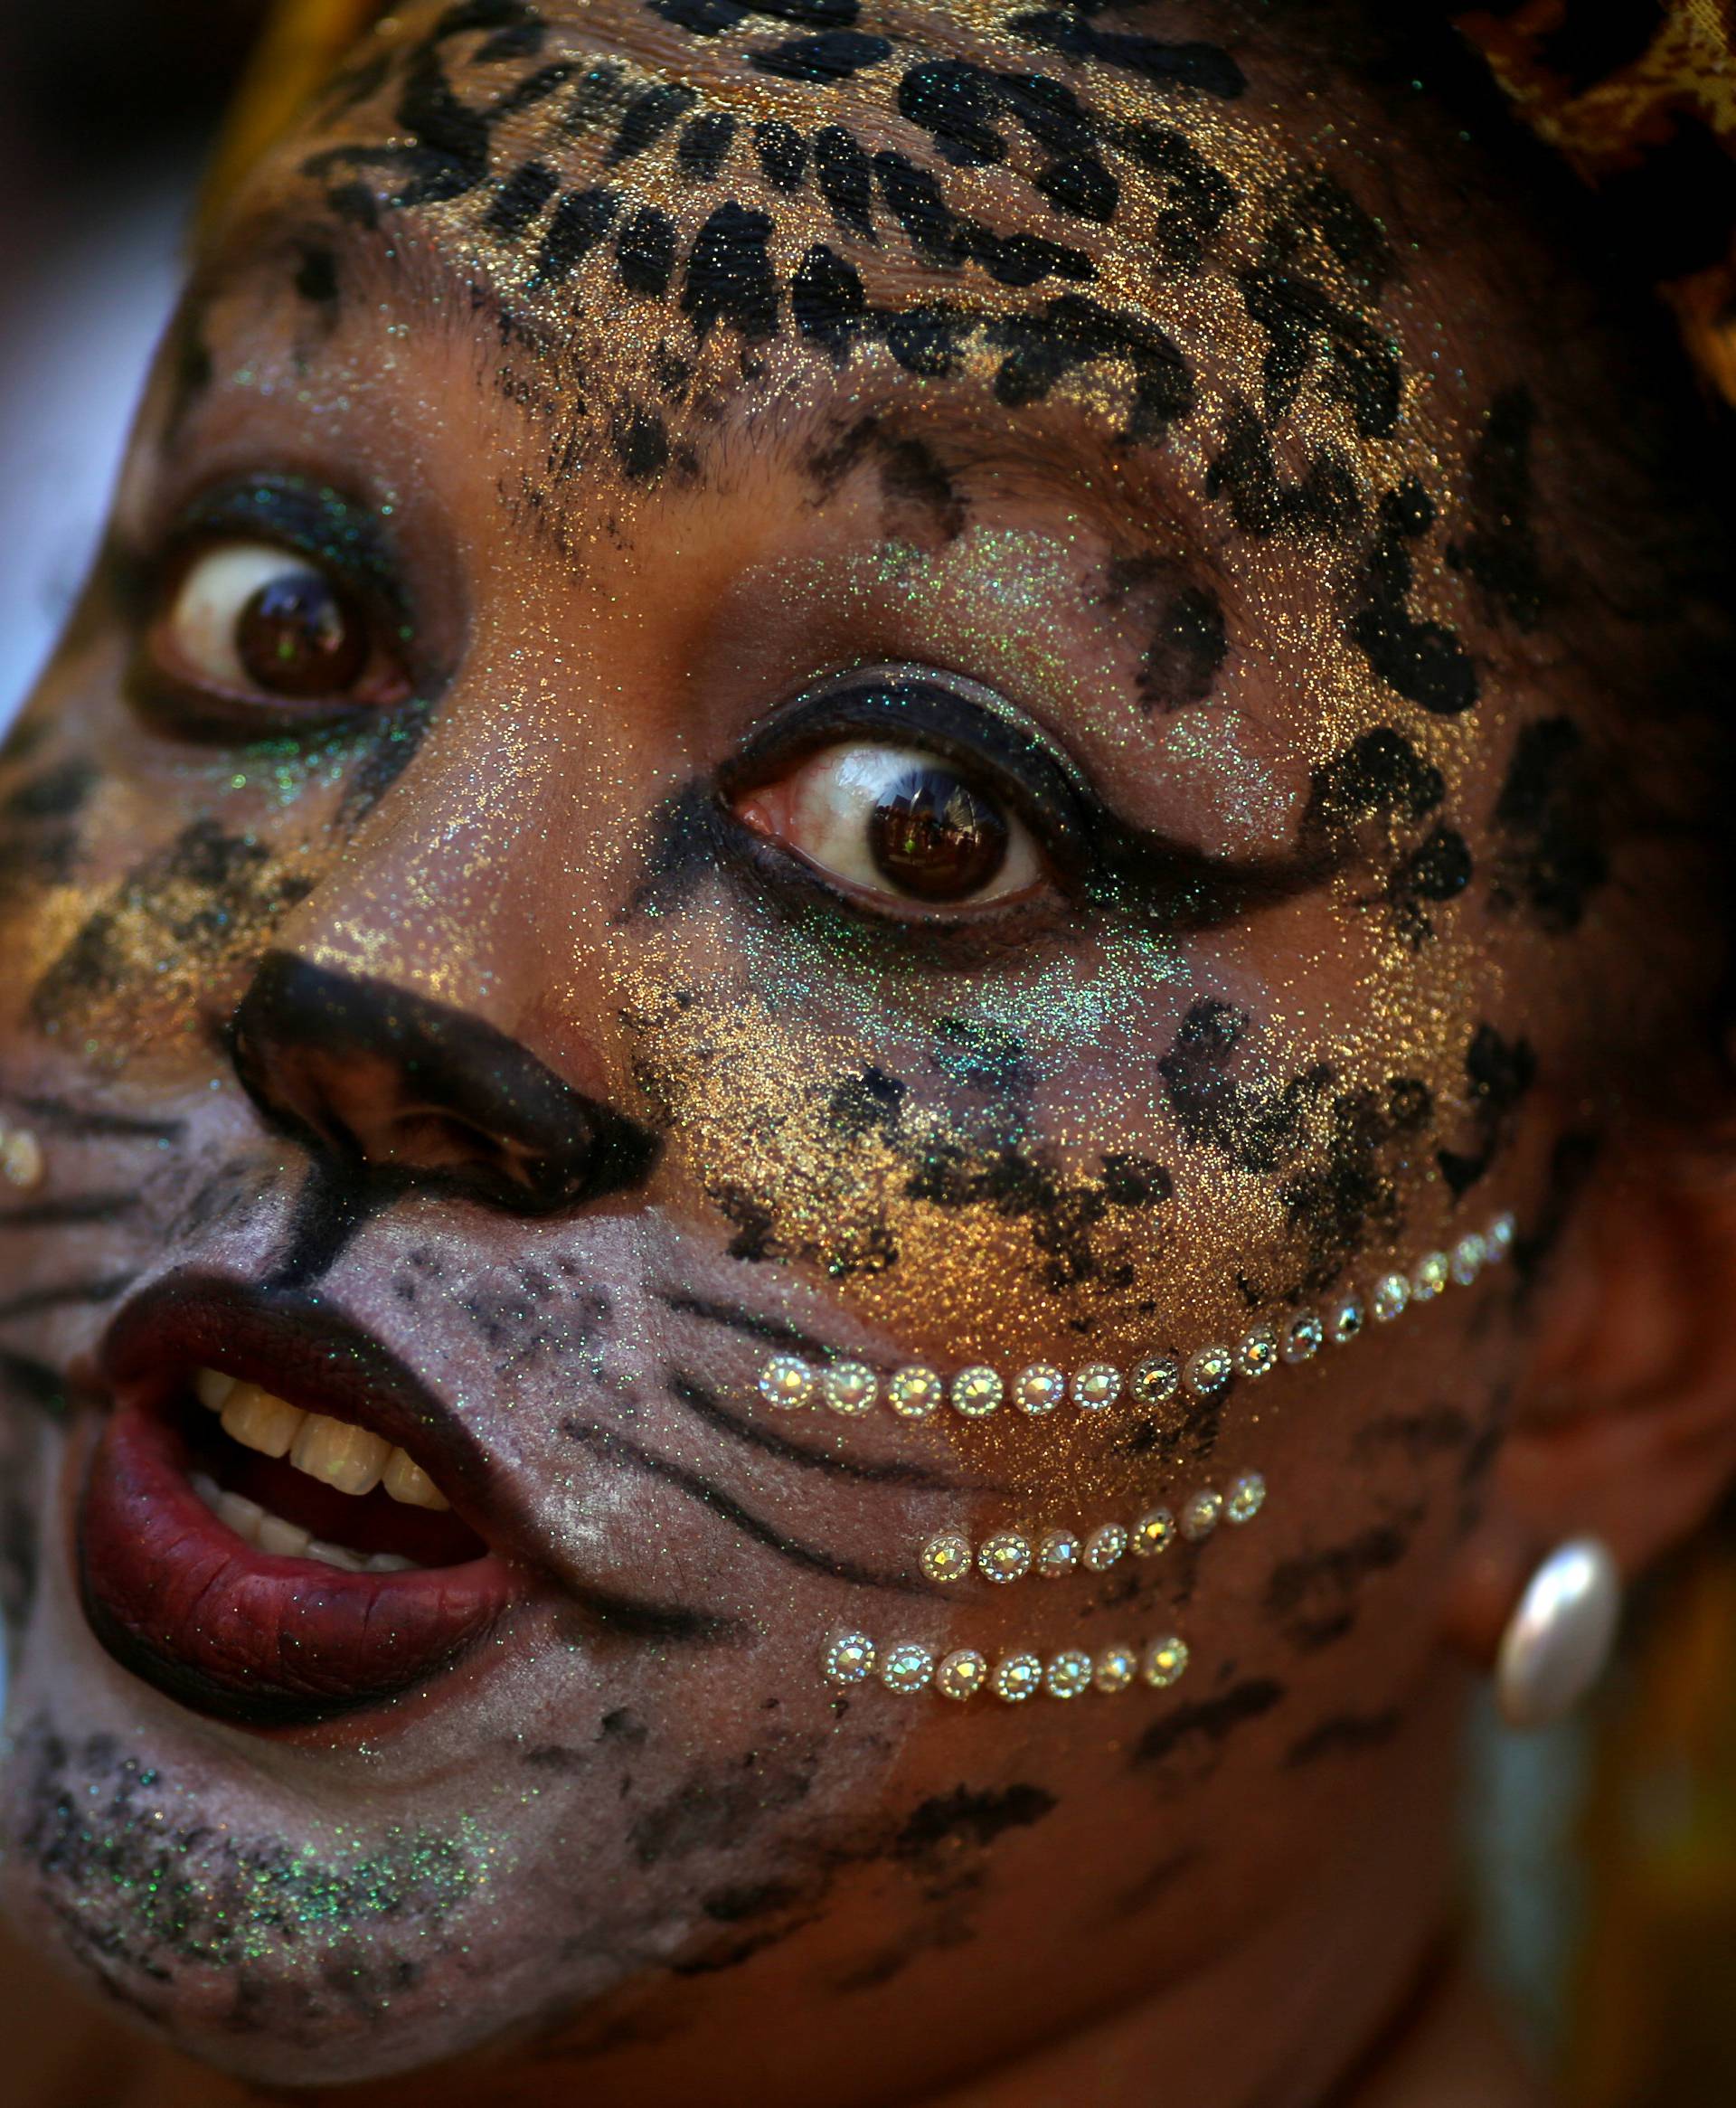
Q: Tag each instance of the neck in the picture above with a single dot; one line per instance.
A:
(1351, 1998)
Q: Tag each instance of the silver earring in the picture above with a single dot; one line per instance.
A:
(1558, 1641)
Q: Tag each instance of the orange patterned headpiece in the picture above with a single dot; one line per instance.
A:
(1639, 96)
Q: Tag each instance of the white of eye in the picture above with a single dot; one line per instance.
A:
(832, 801)
(216, 590)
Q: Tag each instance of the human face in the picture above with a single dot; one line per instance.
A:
(888, 689)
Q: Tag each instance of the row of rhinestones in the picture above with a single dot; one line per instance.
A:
(908, 1667)
(1010, 1555)
(915, 1392)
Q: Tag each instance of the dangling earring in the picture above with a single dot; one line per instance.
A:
(1559, 1640)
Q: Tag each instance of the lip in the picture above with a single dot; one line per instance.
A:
(231, 1631)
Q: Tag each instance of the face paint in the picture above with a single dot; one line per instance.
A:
(814, 1287)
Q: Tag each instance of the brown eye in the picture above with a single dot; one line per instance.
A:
(899, 823)
(297, 637)
(935, 836)
(250, 619)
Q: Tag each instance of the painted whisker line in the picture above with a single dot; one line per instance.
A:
(70, 1292)
(626, 1451)
(77, 1119)
(34, 1381)
(707, 1406)
(773, 1331)
(88, 1208)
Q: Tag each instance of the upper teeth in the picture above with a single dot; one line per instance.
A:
(335, 1450)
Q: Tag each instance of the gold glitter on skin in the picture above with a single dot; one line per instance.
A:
(615, 633)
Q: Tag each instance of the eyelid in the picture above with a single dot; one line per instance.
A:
(313, 520)
(919, 707)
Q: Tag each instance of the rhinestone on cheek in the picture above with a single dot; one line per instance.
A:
(1390, 1296)
(1469, 1257)
(1257, 1352)
(1104, 1546)
(787, 1381)
(1304, 1336)
(1201, 1515)
(1116, 1667)
(914, 1393)
(1004, 1557)
(1057, 1555)
(1096, 1387)
(1498, 1241)
(907, 1667)
(976, 1391)
(962, 1674)
(1163, 1662)
(1344, 1319)
(1068, 1674)
(849, 1658)
(21, 1158)
(1154, 1532)
(1210, 1370)
(1156, 1381)
(1246, 1498)
(851, 1388)
(1038, 1389)
(945, 1556)
(1016, 1677)
(1428, 1277)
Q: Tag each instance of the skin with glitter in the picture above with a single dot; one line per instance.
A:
(883, 689)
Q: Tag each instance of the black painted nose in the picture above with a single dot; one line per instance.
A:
(411, 1095)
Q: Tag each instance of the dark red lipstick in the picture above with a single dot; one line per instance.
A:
(178, 1597)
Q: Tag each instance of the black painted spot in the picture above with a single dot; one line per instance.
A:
(641, 444)
(969, 1819)
(1319, 507)
(1205, 1726)
(1302, 323)
(1498, 1072)
(835, 55)
(1348, 1191)
(704, 146)
(579, 223)
(645, 252)
(520, 200)
(730, 276)
(1196, 65)
(1198, 197)
(827, 300)
(1344, 1734)
(1313, 1597)
(649, 116)
(717, 1808)
(1423, 661)
(1500, 551)
(1185, 645)
(1317, 213)
(782, 152)
(1379, 775)
(1548, 814)
(845, 176)
(1437, 869)
(1254, 1125)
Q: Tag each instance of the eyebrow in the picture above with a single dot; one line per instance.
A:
(1009, 421)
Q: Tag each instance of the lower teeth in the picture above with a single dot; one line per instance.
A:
(286, 1540)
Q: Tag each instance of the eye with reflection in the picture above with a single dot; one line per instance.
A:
(251, 634)
(900, 820)
(901, 787)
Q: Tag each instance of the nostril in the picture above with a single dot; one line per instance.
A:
(414, 1093)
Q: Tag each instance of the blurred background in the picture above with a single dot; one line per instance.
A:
(107, 112)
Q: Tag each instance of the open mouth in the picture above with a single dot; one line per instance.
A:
(267, 1530)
